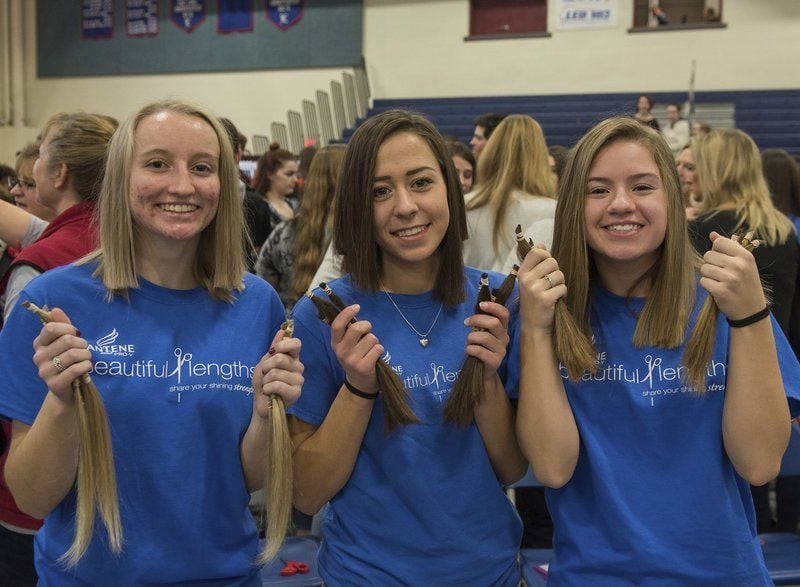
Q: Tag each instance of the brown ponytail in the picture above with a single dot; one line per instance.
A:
(699, 348)
(468, 389)
(572, 345)
(396, 411)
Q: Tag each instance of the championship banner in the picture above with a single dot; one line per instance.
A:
(284, 14)
(187, 14)
(97, 19)
(235, 16)
(141, 18)
(587, 14)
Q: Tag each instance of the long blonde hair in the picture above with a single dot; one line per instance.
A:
(666, 312)
(219, 263)
(514, 159)
(219, 268)
(730, 175)
(314, 220)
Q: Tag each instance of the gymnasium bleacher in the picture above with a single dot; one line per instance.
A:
(772, 117)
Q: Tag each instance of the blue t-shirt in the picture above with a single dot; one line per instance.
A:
(174, 370)
(654, 499)
(423, 505)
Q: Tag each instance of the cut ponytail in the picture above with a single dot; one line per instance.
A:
(96, 484)
(468, 390)
(279, 474)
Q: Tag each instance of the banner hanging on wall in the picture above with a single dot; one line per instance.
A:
(284, 14)
(235, 16)
(97, 19)
(587, 14)
(187, 14)
(141, 18)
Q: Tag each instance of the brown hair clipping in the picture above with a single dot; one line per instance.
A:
(396, 411)
(700, 345)
(468, 389)
(571, 344)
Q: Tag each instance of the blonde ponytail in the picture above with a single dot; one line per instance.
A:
(96, 479)
(278, 474)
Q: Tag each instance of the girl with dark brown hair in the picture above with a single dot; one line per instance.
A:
(420, 488)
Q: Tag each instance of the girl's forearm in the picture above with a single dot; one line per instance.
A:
(43, 458)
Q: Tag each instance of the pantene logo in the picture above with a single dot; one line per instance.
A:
(106, 345)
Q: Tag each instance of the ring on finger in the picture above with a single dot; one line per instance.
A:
(547, 277)
(58, 364)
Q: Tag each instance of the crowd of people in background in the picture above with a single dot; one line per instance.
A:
(146, 235)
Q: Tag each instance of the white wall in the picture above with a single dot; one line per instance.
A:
(429, 58)
(415, 48)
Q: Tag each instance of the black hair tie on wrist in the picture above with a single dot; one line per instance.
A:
(356, 391)
(750, 319)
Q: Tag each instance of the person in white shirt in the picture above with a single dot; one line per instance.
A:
(677, 130)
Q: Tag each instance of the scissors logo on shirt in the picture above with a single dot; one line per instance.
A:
(438, 380)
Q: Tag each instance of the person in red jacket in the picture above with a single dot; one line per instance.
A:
(68, 174)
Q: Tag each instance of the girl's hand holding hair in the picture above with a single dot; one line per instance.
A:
(489, 344)
(541, 285)
(730, 275)
(61, 356)
(279, 372)
(356, 348)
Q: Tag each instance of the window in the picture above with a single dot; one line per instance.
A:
(504, 19)
(654, 15)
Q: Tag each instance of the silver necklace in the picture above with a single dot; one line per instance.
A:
(423, 336)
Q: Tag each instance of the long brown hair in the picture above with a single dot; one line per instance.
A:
(314, 219)
(353, 224)
(664, 318)
(269, 163)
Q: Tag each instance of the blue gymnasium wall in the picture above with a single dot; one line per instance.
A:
(329, 34)
(771, 117)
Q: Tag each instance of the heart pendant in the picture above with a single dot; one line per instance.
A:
(423, 342)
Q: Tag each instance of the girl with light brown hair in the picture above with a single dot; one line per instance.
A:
(623, 266)
(516, 187)
(175, 334)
